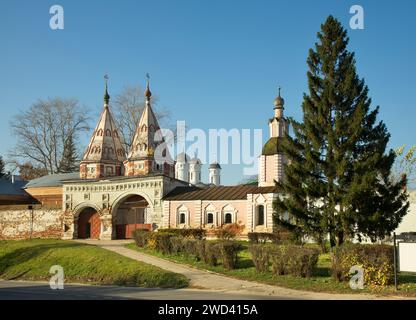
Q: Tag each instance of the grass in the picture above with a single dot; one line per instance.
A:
(320, 282)
(32, 259)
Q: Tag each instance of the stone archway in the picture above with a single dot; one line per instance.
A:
(130, 214)
(89, 224)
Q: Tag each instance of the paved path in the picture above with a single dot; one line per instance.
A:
(29, 290)
(200, 279)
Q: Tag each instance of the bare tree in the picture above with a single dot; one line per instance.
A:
(127, 109)
(28, 172)
(44, 129)
(405, 164)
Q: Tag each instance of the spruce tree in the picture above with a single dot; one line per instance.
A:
(337, 180)
(2, 168)
(69, 162)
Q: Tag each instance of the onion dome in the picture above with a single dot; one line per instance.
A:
(272, 146)
(182, 157)
(279, 101)
(214, 165)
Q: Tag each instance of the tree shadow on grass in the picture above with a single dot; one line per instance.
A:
(24, 254)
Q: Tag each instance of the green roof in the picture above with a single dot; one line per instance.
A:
(271, 147)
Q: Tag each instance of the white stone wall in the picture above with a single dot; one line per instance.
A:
(17, 223)
(106, 195)
(408, 223)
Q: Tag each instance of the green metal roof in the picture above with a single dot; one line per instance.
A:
(271, 147)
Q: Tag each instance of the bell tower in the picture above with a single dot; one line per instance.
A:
(105, 153)
(271, 161)
(145, 157)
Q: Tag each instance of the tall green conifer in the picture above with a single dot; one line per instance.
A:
(337, 181)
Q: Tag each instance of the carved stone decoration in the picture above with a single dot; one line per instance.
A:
(107, 226)
(69, 225)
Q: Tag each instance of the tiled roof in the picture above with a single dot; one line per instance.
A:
(52, 180)
(238, 192)
(9, 188)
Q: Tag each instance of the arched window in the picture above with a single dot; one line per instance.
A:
(210, 217)
(228, 218)
(260, 215)
(182, 218)
(108, 133)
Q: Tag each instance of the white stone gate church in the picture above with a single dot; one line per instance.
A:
(117, 193)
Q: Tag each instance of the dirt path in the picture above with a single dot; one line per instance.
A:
(212, 281)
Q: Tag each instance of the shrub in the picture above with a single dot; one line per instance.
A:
(209, 252)
(260, 257)
(294, 260)
(192, 233)
(263, 237)
(376, 260)
(162, 242)
(229, 231)
(141, 236)
(191, 248)
(229, 253)
(301, 261)
(177, 244)
(277, 255)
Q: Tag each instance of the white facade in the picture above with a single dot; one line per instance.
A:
(195, 171)
(182, 167)
(215, 174)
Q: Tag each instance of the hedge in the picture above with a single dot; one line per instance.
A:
(193, 233)
(229, 253)
(376, 260)
(263, 237)
(285, 259)
(260, 254)
(141, 236)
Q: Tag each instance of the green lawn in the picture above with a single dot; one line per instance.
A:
(32, 259)
(322, 281)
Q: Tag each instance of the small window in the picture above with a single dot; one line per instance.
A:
(260, 215)
(182, 218)
(210, 218)
(228, 218)
(109, 170)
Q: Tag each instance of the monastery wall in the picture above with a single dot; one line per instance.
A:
(18, 222)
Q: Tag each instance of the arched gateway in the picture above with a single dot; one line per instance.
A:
(89, 224)
(130, 214)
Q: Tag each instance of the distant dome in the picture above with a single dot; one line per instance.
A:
(272, 146)
(182, 157)
(279, 102)
(195, 160)
(214, 165)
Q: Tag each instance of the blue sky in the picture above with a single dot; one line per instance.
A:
(214, 64)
